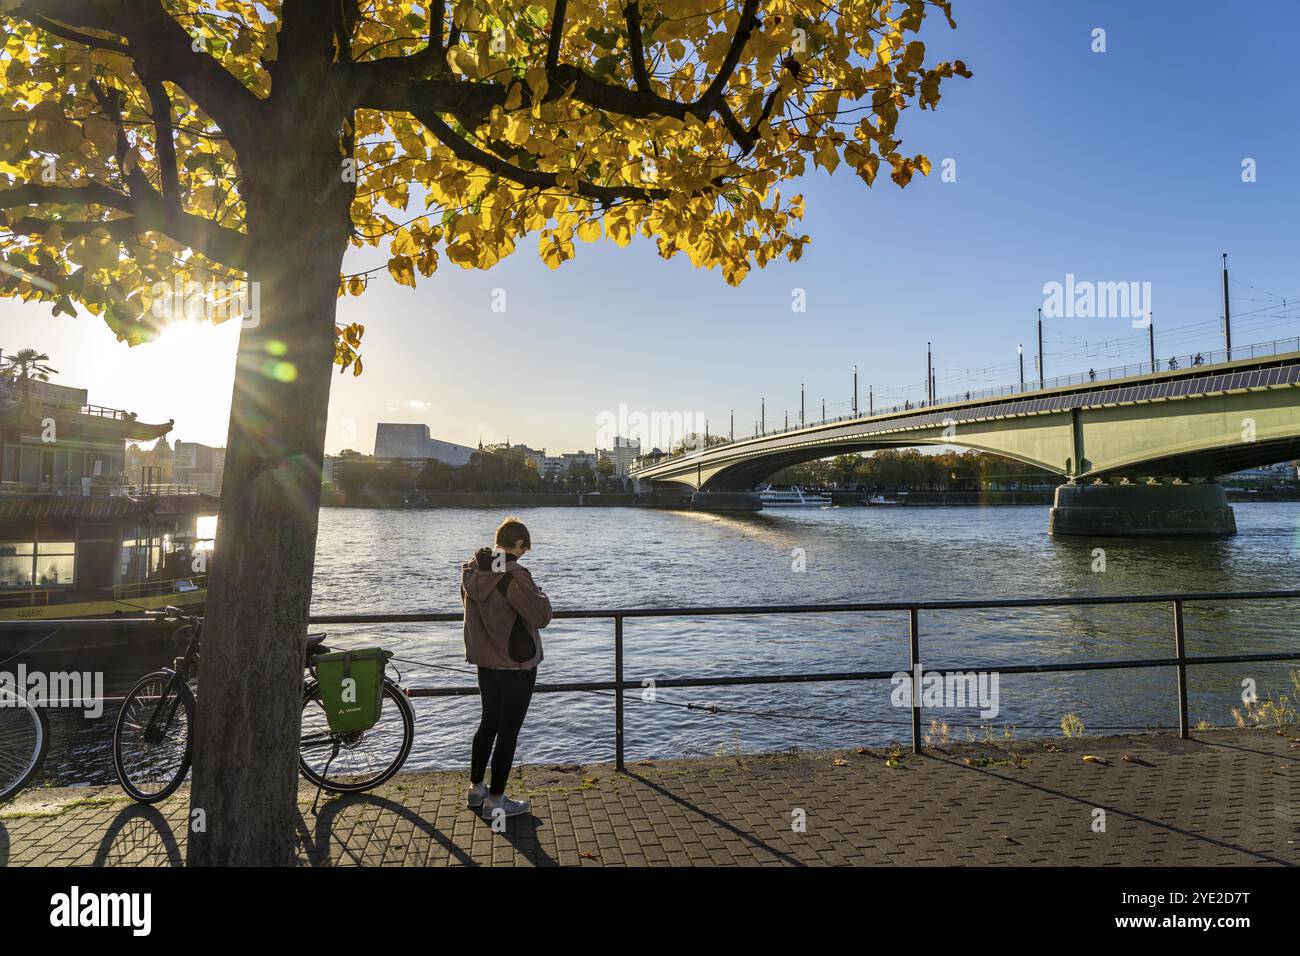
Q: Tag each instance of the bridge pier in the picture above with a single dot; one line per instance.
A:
(726, 501)
(1141, 510)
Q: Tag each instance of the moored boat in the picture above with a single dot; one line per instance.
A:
(77, 539)
(793, 497)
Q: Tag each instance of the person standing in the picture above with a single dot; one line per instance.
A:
(505, 611)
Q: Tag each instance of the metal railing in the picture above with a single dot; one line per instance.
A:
(68, 489)
(912, 609)
(1180, 363)
(15, 393)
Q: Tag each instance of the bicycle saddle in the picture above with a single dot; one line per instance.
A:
(314, 642)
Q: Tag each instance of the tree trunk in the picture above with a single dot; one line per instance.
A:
(250, 683)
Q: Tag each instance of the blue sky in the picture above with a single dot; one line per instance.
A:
(1115, 166)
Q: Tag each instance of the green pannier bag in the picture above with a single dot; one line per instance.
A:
(352, 687)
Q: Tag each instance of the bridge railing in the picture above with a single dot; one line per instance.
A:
(1092, 376)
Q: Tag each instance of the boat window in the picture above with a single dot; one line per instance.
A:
(49, 564)
(55, 563)
(15, 564)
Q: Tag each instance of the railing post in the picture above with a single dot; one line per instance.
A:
(1180, 649)
(914, 662)
(618, 694)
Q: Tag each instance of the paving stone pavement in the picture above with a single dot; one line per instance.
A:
(1226, 797)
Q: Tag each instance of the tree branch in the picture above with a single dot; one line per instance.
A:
(306, 41)
(149, 211)
(636, 47)
(123, 230)
(463, 149)
(110, 104)
(557, 34)
(743, 30)
(391, 83)
(161, 112)
(63, 33)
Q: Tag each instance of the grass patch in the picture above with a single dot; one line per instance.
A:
(83, 803)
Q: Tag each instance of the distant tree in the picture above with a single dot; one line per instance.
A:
(27, 366)
(695, 441)
(436, 476)
(581, 475)
(604, 473)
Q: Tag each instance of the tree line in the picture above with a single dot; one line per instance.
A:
(493, 468)
(907, 469)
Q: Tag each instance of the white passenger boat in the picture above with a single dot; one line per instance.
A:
(876, 500)
(794, 497)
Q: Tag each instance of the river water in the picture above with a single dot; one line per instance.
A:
(375, 561)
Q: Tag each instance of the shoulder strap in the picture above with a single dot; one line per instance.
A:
(504, 584)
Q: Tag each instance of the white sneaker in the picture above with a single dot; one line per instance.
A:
(511, 808)
(477, 794)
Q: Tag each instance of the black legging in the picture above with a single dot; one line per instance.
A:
(505, 696)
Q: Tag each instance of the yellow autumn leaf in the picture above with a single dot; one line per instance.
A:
(403, 243)
(462, 61)
(401, 269)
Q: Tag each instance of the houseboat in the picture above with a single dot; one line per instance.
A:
(78, 539)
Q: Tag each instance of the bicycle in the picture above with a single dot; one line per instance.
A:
(151, 739)
(24, 741)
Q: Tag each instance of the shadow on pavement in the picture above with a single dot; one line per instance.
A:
(139, 835)
(343, 822)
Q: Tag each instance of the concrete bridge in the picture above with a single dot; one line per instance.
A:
(1136, 448)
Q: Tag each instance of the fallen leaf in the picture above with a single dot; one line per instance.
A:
(839, 762)
(1093, 758)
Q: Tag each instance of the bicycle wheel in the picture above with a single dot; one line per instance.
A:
(151, 739)
(352, 763)
(24, 739)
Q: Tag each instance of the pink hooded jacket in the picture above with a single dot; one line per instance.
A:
(490, 615)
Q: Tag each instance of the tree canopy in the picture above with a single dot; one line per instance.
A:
(130, 131)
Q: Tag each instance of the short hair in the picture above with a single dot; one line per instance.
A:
(512, 530)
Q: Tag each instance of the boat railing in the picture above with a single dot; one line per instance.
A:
(50, 489)
(147, 588)
(25, 597)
